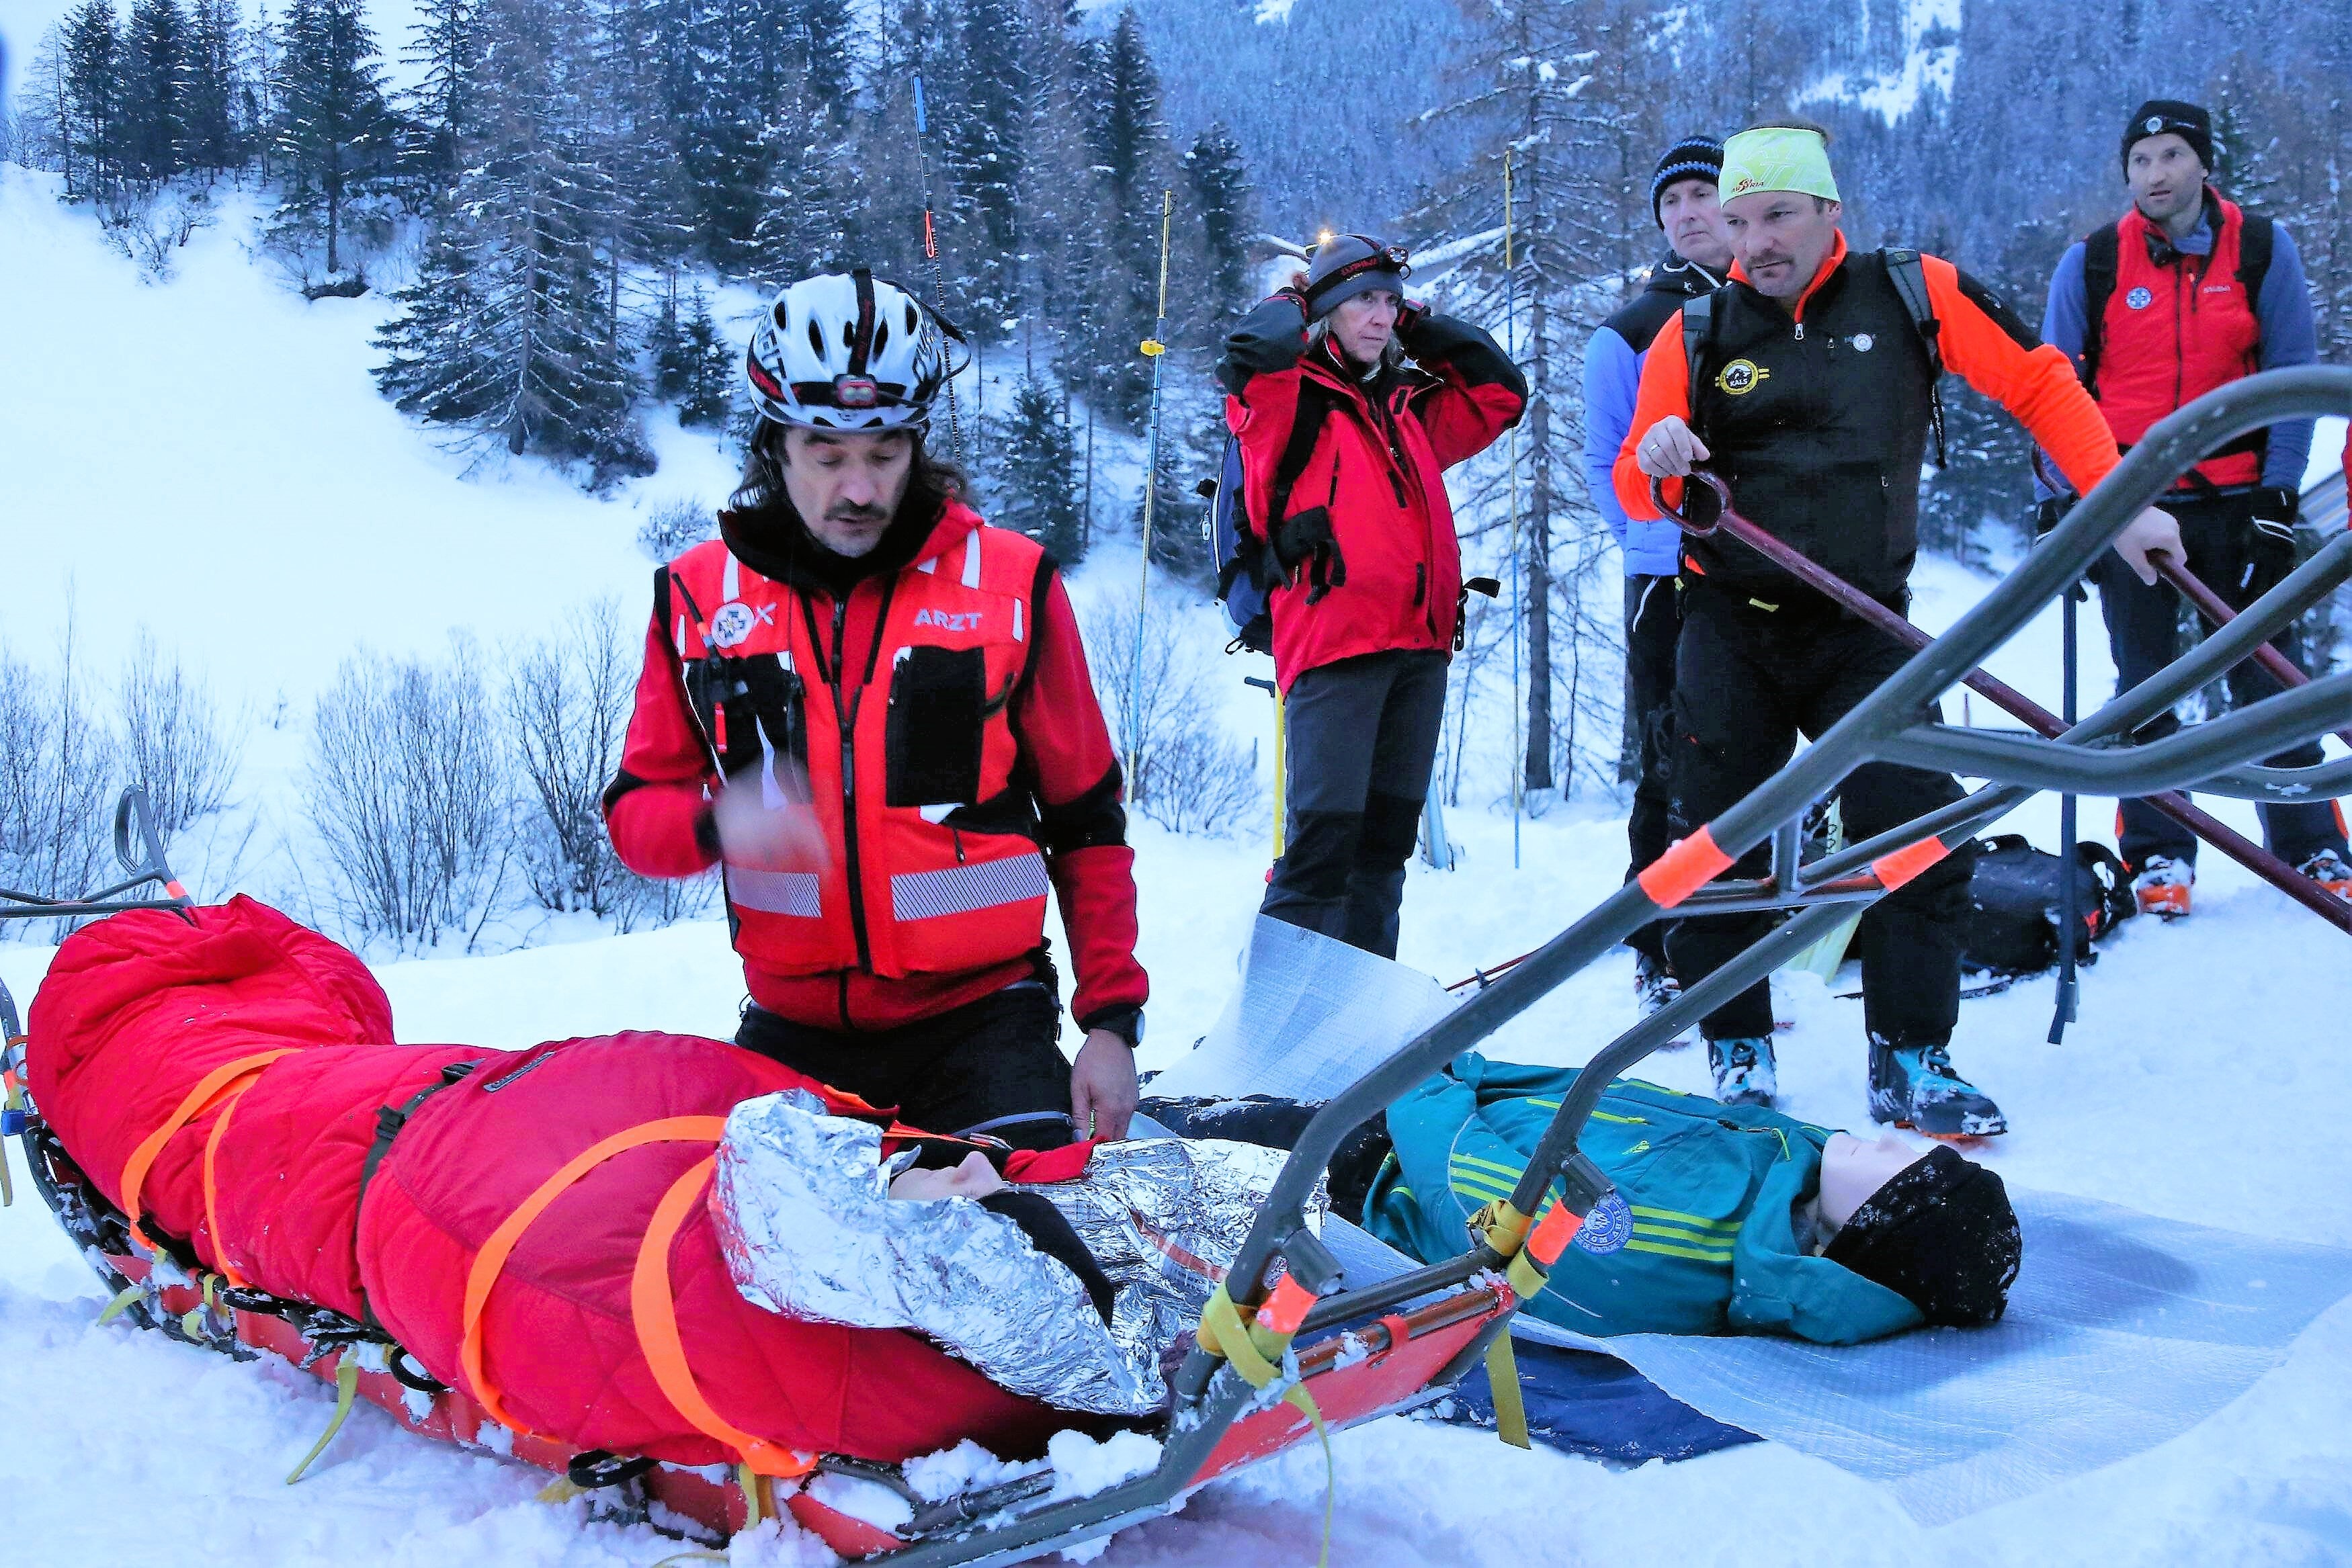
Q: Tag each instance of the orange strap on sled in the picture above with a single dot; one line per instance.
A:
(211, 1186)
(209, 1092)
(654, 1310)
(491, 1260)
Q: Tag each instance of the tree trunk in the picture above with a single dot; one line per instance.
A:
(334, 199)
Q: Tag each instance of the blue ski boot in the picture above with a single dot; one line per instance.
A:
(1914, 1086)
(1743, 1071)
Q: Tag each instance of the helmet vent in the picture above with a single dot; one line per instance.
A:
(817, 338)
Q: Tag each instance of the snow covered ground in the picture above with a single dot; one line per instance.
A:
(206, 457)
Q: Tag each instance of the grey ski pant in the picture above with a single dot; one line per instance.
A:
(1361, 740)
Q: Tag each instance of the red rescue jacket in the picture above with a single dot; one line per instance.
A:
(2173, 330)
(1378, 464)
(939, 724)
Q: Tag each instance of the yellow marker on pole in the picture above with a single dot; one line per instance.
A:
(1154, 351)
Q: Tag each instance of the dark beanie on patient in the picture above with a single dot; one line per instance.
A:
(1942, 1236)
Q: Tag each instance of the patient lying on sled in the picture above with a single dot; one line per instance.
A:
(1736, 1220)
(1068, 1276)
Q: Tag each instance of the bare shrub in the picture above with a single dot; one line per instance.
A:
(148, 225)
(568, 698)
(56, 759)
(1189, 777)
(409, 792)
(180, 750)
(673, 528)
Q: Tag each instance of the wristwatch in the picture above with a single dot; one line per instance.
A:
(1125, 1022)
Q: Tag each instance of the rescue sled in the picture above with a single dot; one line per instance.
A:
(1295, 1347)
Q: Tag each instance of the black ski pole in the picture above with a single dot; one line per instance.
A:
(2070, 912)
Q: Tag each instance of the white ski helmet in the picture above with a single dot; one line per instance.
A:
(848, 352)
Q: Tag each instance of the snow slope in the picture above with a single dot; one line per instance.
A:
(258, 506)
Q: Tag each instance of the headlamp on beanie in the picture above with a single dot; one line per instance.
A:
(1942, 1236)
(2159, 116)
(1352, 264)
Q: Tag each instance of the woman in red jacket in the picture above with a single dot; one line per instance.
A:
(873, 710)
(1344, 451)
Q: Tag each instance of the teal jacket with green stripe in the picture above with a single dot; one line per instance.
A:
(1719, 1193)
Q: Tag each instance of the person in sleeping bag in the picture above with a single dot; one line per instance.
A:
(1742, 1220)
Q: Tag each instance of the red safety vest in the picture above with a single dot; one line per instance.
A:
(2172, 333)
(902, 743)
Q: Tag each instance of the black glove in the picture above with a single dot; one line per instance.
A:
(1409, 316)
(2049, 514)
(1303, 543)
(2276, 504)
(1294, 294)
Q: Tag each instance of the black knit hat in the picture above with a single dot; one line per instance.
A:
(1692, 158)
(1349, 265)
(1942, 1236)
(2186, 120)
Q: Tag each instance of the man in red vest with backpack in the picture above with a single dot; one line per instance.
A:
(873, 710)
(2187, 292)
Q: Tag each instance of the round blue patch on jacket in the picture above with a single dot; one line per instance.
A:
(1609, 1226)
(2139, 299)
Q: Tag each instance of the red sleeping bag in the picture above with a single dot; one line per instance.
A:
(146, 1021)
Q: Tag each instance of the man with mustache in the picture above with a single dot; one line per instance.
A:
(873, 710)
(1809, 385)
(1682, 200)
(2183, 294)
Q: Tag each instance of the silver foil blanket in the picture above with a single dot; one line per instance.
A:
(809, 1229)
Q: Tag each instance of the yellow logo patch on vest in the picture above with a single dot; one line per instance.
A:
(1740, 377)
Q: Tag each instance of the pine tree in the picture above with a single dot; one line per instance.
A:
(1036, 474)
(92, 89)
(987, 158)
(508, 330)
(335, 122)
(446, 47)
(706, 396)
(212, 136)
(154, 87)
(1130, 146)
(1221, 196)
(665, 343)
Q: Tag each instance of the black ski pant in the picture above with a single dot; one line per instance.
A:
(1747, 682)
(2241, 562)
(1653, 623)
(1361, 739)
(992, 1066)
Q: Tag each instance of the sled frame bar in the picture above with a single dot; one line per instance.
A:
(140, 848)
(1208, 1395)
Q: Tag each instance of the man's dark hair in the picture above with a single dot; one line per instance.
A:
(760, 496)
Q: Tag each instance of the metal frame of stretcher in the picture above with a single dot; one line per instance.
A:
(1292, 1328)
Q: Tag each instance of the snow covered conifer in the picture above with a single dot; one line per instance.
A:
(705, 360)
(1036, 475)
(1220, 190)
(94, 95)
(211, 133)
(154, 84)
(987, 156)
(446, 44)
(333, 121)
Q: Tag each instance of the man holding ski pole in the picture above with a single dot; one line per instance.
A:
(2184, 293)
(1682, 200)
(1808, 384)
(873, 709)
(1344, 448)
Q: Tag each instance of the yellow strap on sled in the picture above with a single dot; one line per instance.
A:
(121, 1303)
(1255, 1351)
(347, 1388)
(1504, 1229)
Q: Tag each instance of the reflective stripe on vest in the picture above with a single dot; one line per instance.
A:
(913, 879)
(2172, 333)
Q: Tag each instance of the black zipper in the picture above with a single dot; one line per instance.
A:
(844, 720)
(1420, 581)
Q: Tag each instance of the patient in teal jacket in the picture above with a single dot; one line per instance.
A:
(1743, 1220)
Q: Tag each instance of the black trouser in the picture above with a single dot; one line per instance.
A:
(2240, 562)
(1654, 624)
(1748, 681)
(1361, 738)
(992, 1066)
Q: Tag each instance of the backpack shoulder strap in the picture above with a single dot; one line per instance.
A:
(1306, 419)
(1698, 324)
(2100, 249)
(1910, 280)
(2257, 236)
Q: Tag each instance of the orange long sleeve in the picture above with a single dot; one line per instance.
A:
(1664, 390)
(1998, 355)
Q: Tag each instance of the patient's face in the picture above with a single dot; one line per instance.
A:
(973, 1178)
(1852, 1170)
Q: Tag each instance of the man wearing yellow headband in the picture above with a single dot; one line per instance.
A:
(1810, 387)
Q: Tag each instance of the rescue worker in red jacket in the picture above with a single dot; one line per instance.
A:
(874, 711)
(1344, 450)
(2184, 293)
(1810, 391)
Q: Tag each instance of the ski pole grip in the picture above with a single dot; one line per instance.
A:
(1705, 498)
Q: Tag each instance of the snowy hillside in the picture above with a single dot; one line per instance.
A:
(207, 458)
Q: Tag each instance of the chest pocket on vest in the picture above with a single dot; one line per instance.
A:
(743, 702)
(938, 713)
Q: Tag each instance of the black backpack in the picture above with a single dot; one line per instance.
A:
(2015, 893)
(1246, 572)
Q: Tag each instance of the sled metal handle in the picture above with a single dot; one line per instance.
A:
(140, 850)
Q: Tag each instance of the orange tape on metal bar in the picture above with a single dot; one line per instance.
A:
(1893, 871)
(1558, 1227)
(1286, 1308)
(1683, 869)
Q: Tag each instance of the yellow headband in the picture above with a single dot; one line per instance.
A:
(1775, 159)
